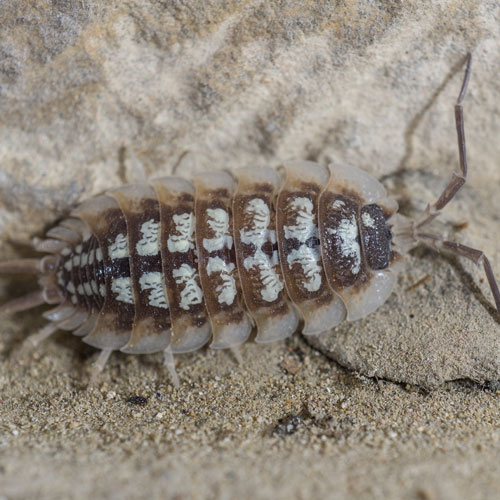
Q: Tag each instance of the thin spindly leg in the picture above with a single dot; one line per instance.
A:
(169, 362)
(33, 341)
(237, 354)
(135, 172)
(99, 364)
(457, 180)
(473, 254)
(23, 303)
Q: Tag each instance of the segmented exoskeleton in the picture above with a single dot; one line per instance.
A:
(173, 264)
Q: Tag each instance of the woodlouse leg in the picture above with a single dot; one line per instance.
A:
(473, 254)
(33, 341)
(135, 172)
(23, 303)
(457, 180)
(99, 364)
(168, 361)
(237, 355)
(20, 266)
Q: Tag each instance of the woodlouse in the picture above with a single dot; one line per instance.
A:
(169, 265)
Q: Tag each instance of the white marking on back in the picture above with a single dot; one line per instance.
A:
(70, 287)
(226, 291)
(98, 254)
(191, 293)
(74, 299)
(91, 257)
(93, 284)
(338, 204)
(119, 248)
(154, 282)
(123, 288)
(87, 288)
(149, 244)
(261, 217)
(270, 281)
(349, 245)
(308, 259)
(257, 235)
(184, 241)
(305, 228)
(68, 265)
(218, 221)
(367, 220)
(80, 289)
(102, 290)
(65, 251)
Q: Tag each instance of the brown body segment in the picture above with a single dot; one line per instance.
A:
(99, 272)
(108, 225)
(92, 274)
(151, 330)
(231, 325)
(340, 205)
(93, 280)
(66, 279)
(257, 254)
(190, 325)
(76, 278)
(299, 247)
(341, 245)
(84, 287)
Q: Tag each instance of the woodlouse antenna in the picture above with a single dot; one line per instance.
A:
(457, 181)
(470, 253)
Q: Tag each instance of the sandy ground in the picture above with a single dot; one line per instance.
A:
(288, 423)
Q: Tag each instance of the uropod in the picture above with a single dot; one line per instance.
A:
(173, 264)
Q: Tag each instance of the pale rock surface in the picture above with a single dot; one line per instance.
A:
(91, 90)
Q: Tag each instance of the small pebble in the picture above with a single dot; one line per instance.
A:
(290, 365)
(287, 426)
(137, 400)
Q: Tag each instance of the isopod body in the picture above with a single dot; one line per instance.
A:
(173, 264)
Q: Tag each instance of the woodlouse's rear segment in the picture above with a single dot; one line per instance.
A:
(169, 265)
